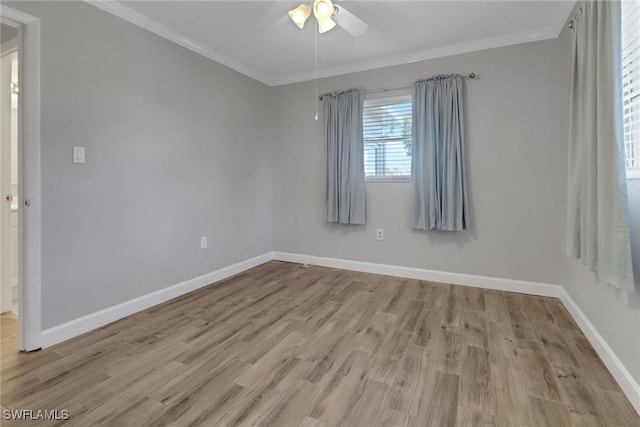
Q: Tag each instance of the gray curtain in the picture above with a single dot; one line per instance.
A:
(597, 215)
(345, 188)
(438, 184)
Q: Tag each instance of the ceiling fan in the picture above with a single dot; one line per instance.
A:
(328, 15)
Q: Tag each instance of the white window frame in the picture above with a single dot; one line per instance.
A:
(383, 98)
(632, 173)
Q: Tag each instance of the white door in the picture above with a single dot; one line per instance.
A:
(9, 235)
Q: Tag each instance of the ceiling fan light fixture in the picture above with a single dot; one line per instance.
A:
(323, 9)
(300, 14)
(325, 25)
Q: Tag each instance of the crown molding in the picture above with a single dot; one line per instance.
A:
(418, 56)
(155, 27)
(563, 16)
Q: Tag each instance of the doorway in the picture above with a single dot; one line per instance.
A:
(30, 335)
(10, 206)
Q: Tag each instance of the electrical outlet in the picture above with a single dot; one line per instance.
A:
(203, 242)
(379, 234)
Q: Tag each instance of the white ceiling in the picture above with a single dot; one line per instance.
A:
(257, 38)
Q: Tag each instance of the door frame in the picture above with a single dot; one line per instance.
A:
(8, 54)
(29, 179)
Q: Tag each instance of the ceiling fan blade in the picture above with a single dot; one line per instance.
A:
(350, 22)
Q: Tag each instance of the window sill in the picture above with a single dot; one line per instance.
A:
(387, 179)
(633, 174)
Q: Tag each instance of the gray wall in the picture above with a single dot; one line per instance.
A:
(179, 147)
(615, 314)
(176, 149)
(517, 114)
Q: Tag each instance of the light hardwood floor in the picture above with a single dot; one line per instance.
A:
(285, 345)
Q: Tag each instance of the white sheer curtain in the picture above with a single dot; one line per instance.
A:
(345, 187)
(597, 215)
(438, 183)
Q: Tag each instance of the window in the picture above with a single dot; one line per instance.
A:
(387, 138)
(631, 85)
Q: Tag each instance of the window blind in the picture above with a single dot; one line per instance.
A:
(387, 137)
(631, 82)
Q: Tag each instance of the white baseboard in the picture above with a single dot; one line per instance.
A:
(622, 375)
(625, 380)
(485, 282)
(100, 318)
(95, 320)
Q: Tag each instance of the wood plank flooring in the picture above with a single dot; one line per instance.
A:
(285, 345)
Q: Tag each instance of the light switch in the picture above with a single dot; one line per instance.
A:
(78, 154)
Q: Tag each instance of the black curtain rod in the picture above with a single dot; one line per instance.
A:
(390, 89)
